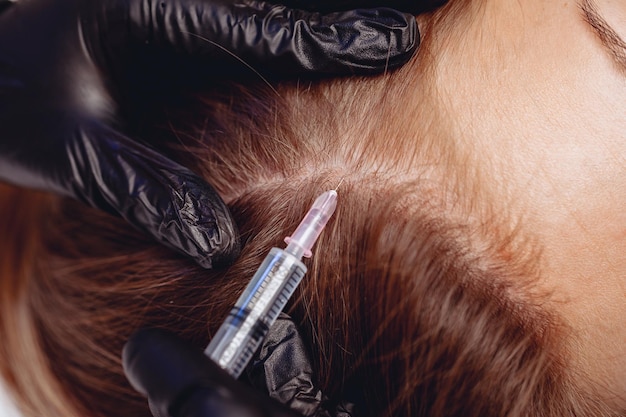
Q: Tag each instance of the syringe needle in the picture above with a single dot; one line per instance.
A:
(340, 182)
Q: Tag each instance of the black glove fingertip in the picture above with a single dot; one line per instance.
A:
(410, 6)
(389, 39)
(162, 381)
(365, 41)
(205, 229)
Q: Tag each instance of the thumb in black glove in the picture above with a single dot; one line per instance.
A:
(61, 128)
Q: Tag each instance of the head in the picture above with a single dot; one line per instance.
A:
(472, 265)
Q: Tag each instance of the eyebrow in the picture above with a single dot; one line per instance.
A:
(607, 35)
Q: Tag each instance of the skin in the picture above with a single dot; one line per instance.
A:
(536, 68)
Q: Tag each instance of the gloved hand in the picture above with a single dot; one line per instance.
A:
(64, 84)
(181, 381)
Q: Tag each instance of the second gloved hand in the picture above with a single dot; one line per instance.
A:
(180, 381)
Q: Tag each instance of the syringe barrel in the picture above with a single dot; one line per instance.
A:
(256, 310)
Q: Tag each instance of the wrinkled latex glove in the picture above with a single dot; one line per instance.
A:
(64, 85)
(282, 369)
(410, 6)
(180, 381)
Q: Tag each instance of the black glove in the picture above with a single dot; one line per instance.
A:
(181, 381)
(63, 88)
(410, 6)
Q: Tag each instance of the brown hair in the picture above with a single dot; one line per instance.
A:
(412, 299)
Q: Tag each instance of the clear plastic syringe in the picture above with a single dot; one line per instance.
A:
(266, 295)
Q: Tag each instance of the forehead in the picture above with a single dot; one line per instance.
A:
(535, 97)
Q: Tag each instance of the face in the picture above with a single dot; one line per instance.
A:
(539, 101)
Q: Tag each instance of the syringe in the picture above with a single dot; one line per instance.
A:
(266, 295)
